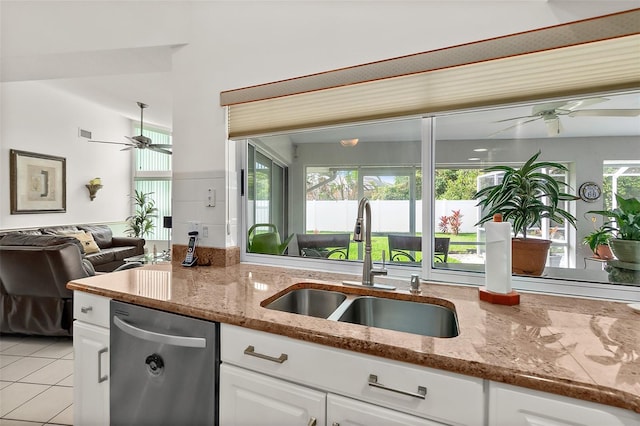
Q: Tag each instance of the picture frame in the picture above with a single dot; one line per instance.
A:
(38, 183)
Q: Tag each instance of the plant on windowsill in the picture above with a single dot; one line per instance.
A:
(140, 224)
(598, 242)
(625, 224)
(525, 197)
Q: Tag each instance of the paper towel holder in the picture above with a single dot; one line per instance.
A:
(511, 298)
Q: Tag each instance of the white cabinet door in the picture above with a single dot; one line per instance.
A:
(514, 406)
(90, 374)
(248, 399)
(343, 411)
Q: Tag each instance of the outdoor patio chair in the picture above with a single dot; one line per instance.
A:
(329, 246)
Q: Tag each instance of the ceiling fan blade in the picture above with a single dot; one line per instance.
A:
(518, 124)
(161, 145)
(113, 143)
(516, 118)
(129, 148)
(160, 150)
(136, 143)
(564, 107)
(581, 103)
(605, 113)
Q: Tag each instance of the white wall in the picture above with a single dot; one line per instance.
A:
(39, 119)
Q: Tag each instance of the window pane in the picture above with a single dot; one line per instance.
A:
(161, 194)
(327, 177)
(580, 133)
(266, 202)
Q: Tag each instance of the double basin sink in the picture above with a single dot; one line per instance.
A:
(427, 319)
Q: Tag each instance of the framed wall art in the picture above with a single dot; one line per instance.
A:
(38, 183)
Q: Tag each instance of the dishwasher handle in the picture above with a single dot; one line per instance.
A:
(167, 339)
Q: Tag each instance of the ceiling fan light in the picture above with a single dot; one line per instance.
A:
(553, 126)
(349, 142)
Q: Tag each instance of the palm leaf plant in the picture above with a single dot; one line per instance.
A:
(140, 223)
(526, 196)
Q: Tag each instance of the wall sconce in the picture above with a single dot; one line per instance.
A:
(93, 186)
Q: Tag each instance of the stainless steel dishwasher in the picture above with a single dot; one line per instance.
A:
(164, 368)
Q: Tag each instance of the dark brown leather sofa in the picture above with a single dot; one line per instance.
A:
(34, 271)
(113, 250)
(36, 265)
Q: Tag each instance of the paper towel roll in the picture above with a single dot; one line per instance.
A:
(497, 262)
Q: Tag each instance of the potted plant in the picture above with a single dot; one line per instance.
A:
(525, 197)
(598, 242)
(141, 223)
(625, 224)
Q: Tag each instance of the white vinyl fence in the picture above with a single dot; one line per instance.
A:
(387, 215)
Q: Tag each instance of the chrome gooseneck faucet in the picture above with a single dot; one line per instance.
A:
(368, 272)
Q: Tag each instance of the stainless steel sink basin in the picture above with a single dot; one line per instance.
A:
(402, 315)
(308, 301)
(426, 319)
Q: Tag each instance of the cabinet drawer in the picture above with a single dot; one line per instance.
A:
(91, 308)
(409, 388)
(514, 406)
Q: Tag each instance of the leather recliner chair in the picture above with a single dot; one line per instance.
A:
(34, 271)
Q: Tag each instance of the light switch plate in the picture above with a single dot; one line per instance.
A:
(210, 198)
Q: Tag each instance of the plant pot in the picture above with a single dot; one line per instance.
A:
(626, 250)
(529, 255)
(603, 251)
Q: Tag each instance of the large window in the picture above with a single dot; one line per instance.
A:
(589, 135)
(152, 174)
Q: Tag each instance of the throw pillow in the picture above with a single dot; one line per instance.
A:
(87, 242)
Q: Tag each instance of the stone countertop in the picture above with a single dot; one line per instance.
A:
(581, 348)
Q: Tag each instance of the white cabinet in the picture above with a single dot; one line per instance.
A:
(413, 390)
(249, 398)
(343, 411)
(91, 360)
(515, 406)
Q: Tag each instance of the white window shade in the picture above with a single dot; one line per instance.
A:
(600, 54)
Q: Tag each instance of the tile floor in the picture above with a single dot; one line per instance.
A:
(36, 381)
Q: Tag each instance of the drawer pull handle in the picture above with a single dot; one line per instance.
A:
(252, 352)
(422, 391)
(86, 309)
(312, 422)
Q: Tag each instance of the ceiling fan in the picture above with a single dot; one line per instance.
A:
(551, 112)
(140, 141)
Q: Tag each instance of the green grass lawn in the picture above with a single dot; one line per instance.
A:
(380, 243)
